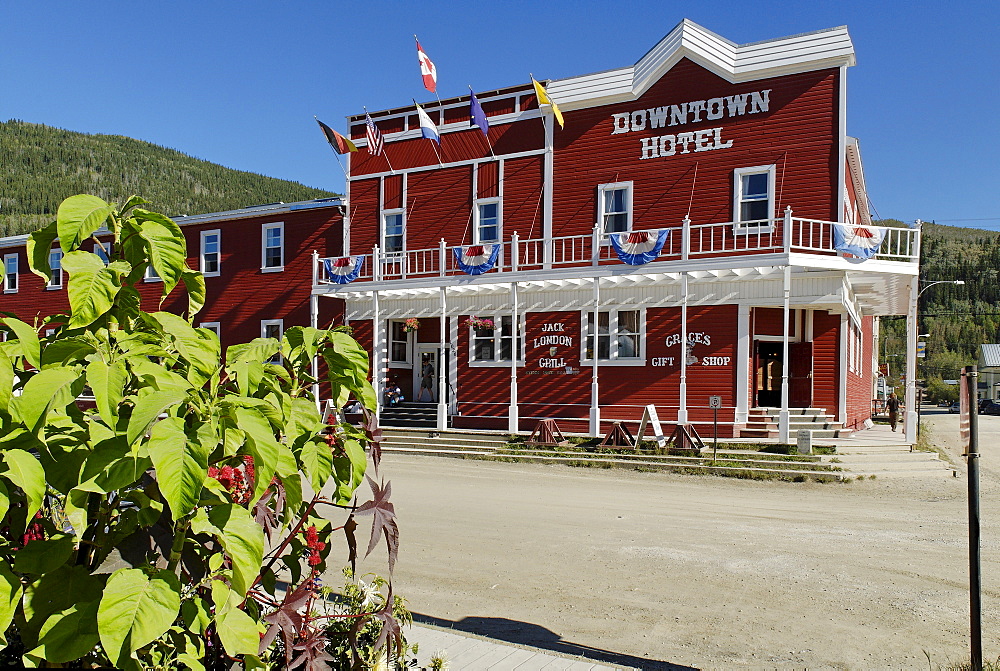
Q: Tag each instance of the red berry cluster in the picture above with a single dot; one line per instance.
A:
(34, 532)
(237, 480)
(315, 545)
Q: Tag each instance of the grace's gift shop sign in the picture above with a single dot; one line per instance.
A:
(695, 111)
(692, 348)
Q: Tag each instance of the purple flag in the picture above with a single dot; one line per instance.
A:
(477, 117)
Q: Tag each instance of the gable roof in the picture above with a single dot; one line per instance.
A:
(733, 62)
(989, 356)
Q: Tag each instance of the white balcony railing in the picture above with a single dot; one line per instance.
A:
(687, 241)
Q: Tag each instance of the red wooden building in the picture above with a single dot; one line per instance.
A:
(735, 157)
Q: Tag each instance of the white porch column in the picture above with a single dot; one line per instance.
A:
(513, 417)
(910, 395)
(743, 354)
(453, 364)
(845, 367)
(444, 354)
(549, 124)
(378, 374)
(682, 410)
(314, 321)
(783, 418)
(595, 406)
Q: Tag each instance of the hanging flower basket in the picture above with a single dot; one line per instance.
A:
(411, 325)
(480, 323)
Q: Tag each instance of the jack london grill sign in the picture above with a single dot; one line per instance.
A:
(695, 111)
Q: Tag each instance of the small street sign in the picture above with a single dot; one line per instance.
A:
(921, 350)
(715, 401)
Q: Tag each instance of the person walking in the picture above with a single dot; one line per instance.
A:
(892, 405)
(426, 380)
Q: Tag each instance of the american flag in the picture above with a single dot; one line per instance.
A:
(375, 143)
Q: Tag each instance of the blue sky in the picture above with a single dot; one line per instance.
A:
(238, 83)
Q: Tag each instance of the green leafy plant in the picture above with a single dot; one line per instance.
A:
(148, 527)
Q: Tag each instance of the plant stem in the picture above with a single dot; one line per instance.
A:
(288, 539)
(180, 535)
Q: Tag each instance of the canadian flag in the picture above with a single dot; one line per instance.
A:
(427, 69)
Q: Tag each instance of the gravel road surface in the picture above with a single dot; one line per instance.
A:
(659, 571)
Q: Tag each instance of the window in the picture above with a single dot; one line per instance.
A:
(151, 274)
(399, 343)
(103, 250)
(614, 204)
(392, 231)
(272, 328)
(273, 247)
(496, 344)
(487, 221)
(55, 263)
(214, 327)
(211, 257)
(10, 273)
(618, 335)
(753, 197)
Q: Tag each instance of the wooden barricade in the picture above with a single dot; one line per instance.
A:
(619, 436)
(547, 433)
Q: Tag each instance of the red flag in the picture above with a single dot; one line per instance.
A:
(427, 69)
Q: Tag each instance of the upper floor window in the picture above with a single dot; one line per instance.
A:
(392, 231)
(55, 263)
(272, 247)
(496, 344)
(487, 221)
(399, 343)
(214, 327)
(618, 333)
(10, 273)
(151, 274)
(211, 259)
(615, 207)
(753, 197)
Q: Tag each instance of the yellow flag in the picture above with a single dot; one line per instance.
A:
(543, 99)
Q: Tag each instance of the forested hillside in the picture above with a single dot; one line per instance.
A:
(958, 318)
(40, 166)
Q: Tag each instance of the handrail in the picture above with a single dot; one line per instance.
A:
(684, 241)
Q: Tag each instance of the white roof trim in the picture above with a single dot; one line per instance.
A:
(733, 62)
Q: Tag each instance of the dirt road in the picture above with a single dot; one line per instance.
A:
(653, 570)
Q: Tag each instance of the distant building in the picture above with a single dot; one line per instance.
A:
(989, 371)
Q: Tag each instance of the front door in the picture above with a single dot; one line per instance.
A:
(800, 388)
(767, 377)
(425, 377)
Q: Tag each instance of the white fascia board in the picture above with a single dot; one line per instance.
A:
(736, 63)
(14, 241)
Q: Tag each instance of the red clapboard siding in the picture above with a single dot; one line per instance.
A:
(488, 180)
(364, 215)
(859, 384)
(392, 192)
(522, 197)
(798, 135)
(439, 205)
(553, 392)
(767, 322)
(826, 361)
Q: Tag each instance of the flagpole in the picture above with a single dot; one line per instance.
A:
(544, 129)
(335, 153)
(384, 152)
(486, 133)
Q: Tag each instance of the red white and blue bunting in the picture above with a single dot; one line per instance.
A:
(860, 241)
(476, 259)
(639, 247)
(343, 270)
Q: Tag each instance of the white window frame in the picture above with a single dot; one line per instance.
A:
(382, 232)
(218, 254)
(215, 327)
(55, 256)
(264, 268)
(477, 215)
(7, 258)
(738, 225)
(602, 189)
(613, 332)
(518, 337)
(103, 250)
(408, 363)
(280, 323)
(151, 275)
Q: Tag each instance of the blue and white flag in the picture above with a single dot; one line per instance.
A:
(427, 127)
(343, 270)
(639, 247)
(477, 117)
(476, 259)
(860, 241)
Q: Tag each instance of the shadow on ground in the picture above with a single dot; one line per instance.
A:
(533, 635)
